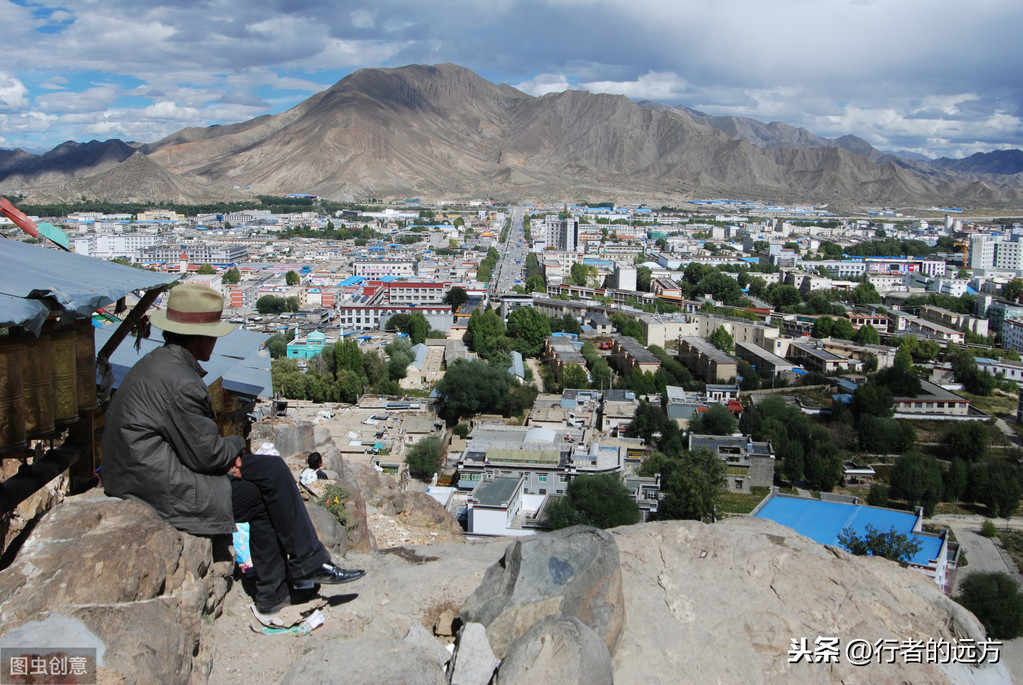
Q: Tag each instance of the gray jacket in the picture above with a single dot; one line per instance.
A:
(162, 447)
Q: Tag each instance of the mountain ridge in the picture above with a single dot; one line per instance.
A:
(443, 131)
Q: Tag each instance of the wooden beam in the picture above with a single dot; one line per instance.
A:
(133, 319)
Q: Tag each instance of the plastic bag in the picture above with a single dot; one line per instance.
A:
(240, 540)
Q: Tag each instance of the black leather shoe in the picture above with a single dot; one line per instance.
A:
(329, 574)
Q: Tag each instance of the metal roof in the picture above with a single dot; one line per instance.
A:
(80, 284)
(237, 358)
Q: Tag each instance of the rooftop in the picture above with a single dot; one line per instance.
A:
(823, 521)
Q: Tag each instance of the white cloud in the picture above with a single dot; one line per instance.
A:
(13, 93)
(657, 86)
(542, 84)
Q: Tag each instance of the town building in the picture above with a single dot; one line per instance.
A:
(747, 463)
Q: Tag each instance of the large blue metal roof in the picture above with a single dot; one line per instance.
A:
(79, 284)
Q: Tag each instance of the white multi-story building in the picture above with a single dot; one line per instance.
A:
(562, 234)
(108, 246)
(375, 268)
(1012, 335)
(998, 253)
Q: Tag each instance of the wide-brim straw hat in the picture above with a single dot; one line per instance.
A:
(193, 309)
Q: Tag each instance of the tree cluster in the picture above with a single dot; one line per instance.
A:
(341, 373)
(600, 500)
(273, 304)
(472, 386)
(890, 544)
(803, 449)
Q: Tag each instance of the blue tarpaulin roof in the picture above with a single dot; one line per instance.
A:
(237, 358)
(79, 284)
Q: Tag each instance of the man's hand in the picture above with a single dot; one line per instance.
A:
(236, 469)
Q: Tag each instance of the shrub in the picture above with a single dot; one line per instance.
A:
(333, 500)
(425, 458)
(988, 529)
(995, 599)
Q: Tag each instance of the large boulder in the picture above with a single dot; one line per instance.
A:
(726, 602)
(139, 587)
(567, 573)
(557, 650)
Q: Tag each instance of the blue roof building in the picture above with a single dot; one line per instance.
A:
(307, 347)
(822, 522)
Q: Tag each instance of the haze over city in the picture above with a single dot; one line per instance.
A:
(939, 79)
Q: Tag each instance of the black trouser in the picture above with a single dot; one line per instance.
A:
(282, 540)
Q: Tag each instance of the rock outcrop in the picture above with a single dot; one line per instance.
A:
(108, 571)
(653, 603)
(570, 573)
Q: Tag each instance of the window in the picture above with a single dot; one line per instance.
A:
(542, 478)
(543, 491)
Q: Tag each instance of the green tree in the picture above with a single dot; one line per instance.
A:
(471, 386)
(277, 344)
(694, 488)
(750, 377)
(892, 544)
(292, 278)
(456, 297)
(722, 340)
(1003, 490)
(206, 269)
(967, 440)
(995, 599)
(348, 356)
(574, 376)
(1011, 290)
(579, 274)
(270, 304)
(955, 480)
(643, 274)
(425, 458)
(878, 495)
(531, 328)
(867, 335)
(418, 328)
(717, 420)
(918, 480)
(783, 295)
(232, 276)
(535, 284)
(483, 332)
(598, 500)
(865, 293)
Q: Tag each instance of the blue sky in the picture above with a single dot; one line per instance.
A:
(936, 77)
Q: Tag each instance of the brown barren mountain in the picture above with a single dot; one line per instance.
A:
(443, 132)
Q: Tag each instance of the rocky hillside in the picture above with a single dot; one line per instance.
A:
(652, 603)
(442, 132)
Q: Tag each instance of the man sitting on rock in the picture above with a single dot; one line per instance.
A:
(162, 447)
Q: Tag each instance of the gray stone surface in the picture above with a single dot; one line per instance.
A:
(420, 638)
(570, 572)
(473, 662)
(365, 661)
(136, 584)
(723, 602)
(557, 650)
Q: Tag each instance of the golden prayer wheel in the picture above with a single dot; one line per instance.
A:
(85, 364)
(12, 394)
(63, 375)
(38, 386)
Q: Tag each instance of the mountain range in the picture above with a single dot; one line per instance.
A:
(443, 132)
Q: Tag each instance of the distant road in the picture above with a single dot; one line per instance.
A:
(507, 270)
